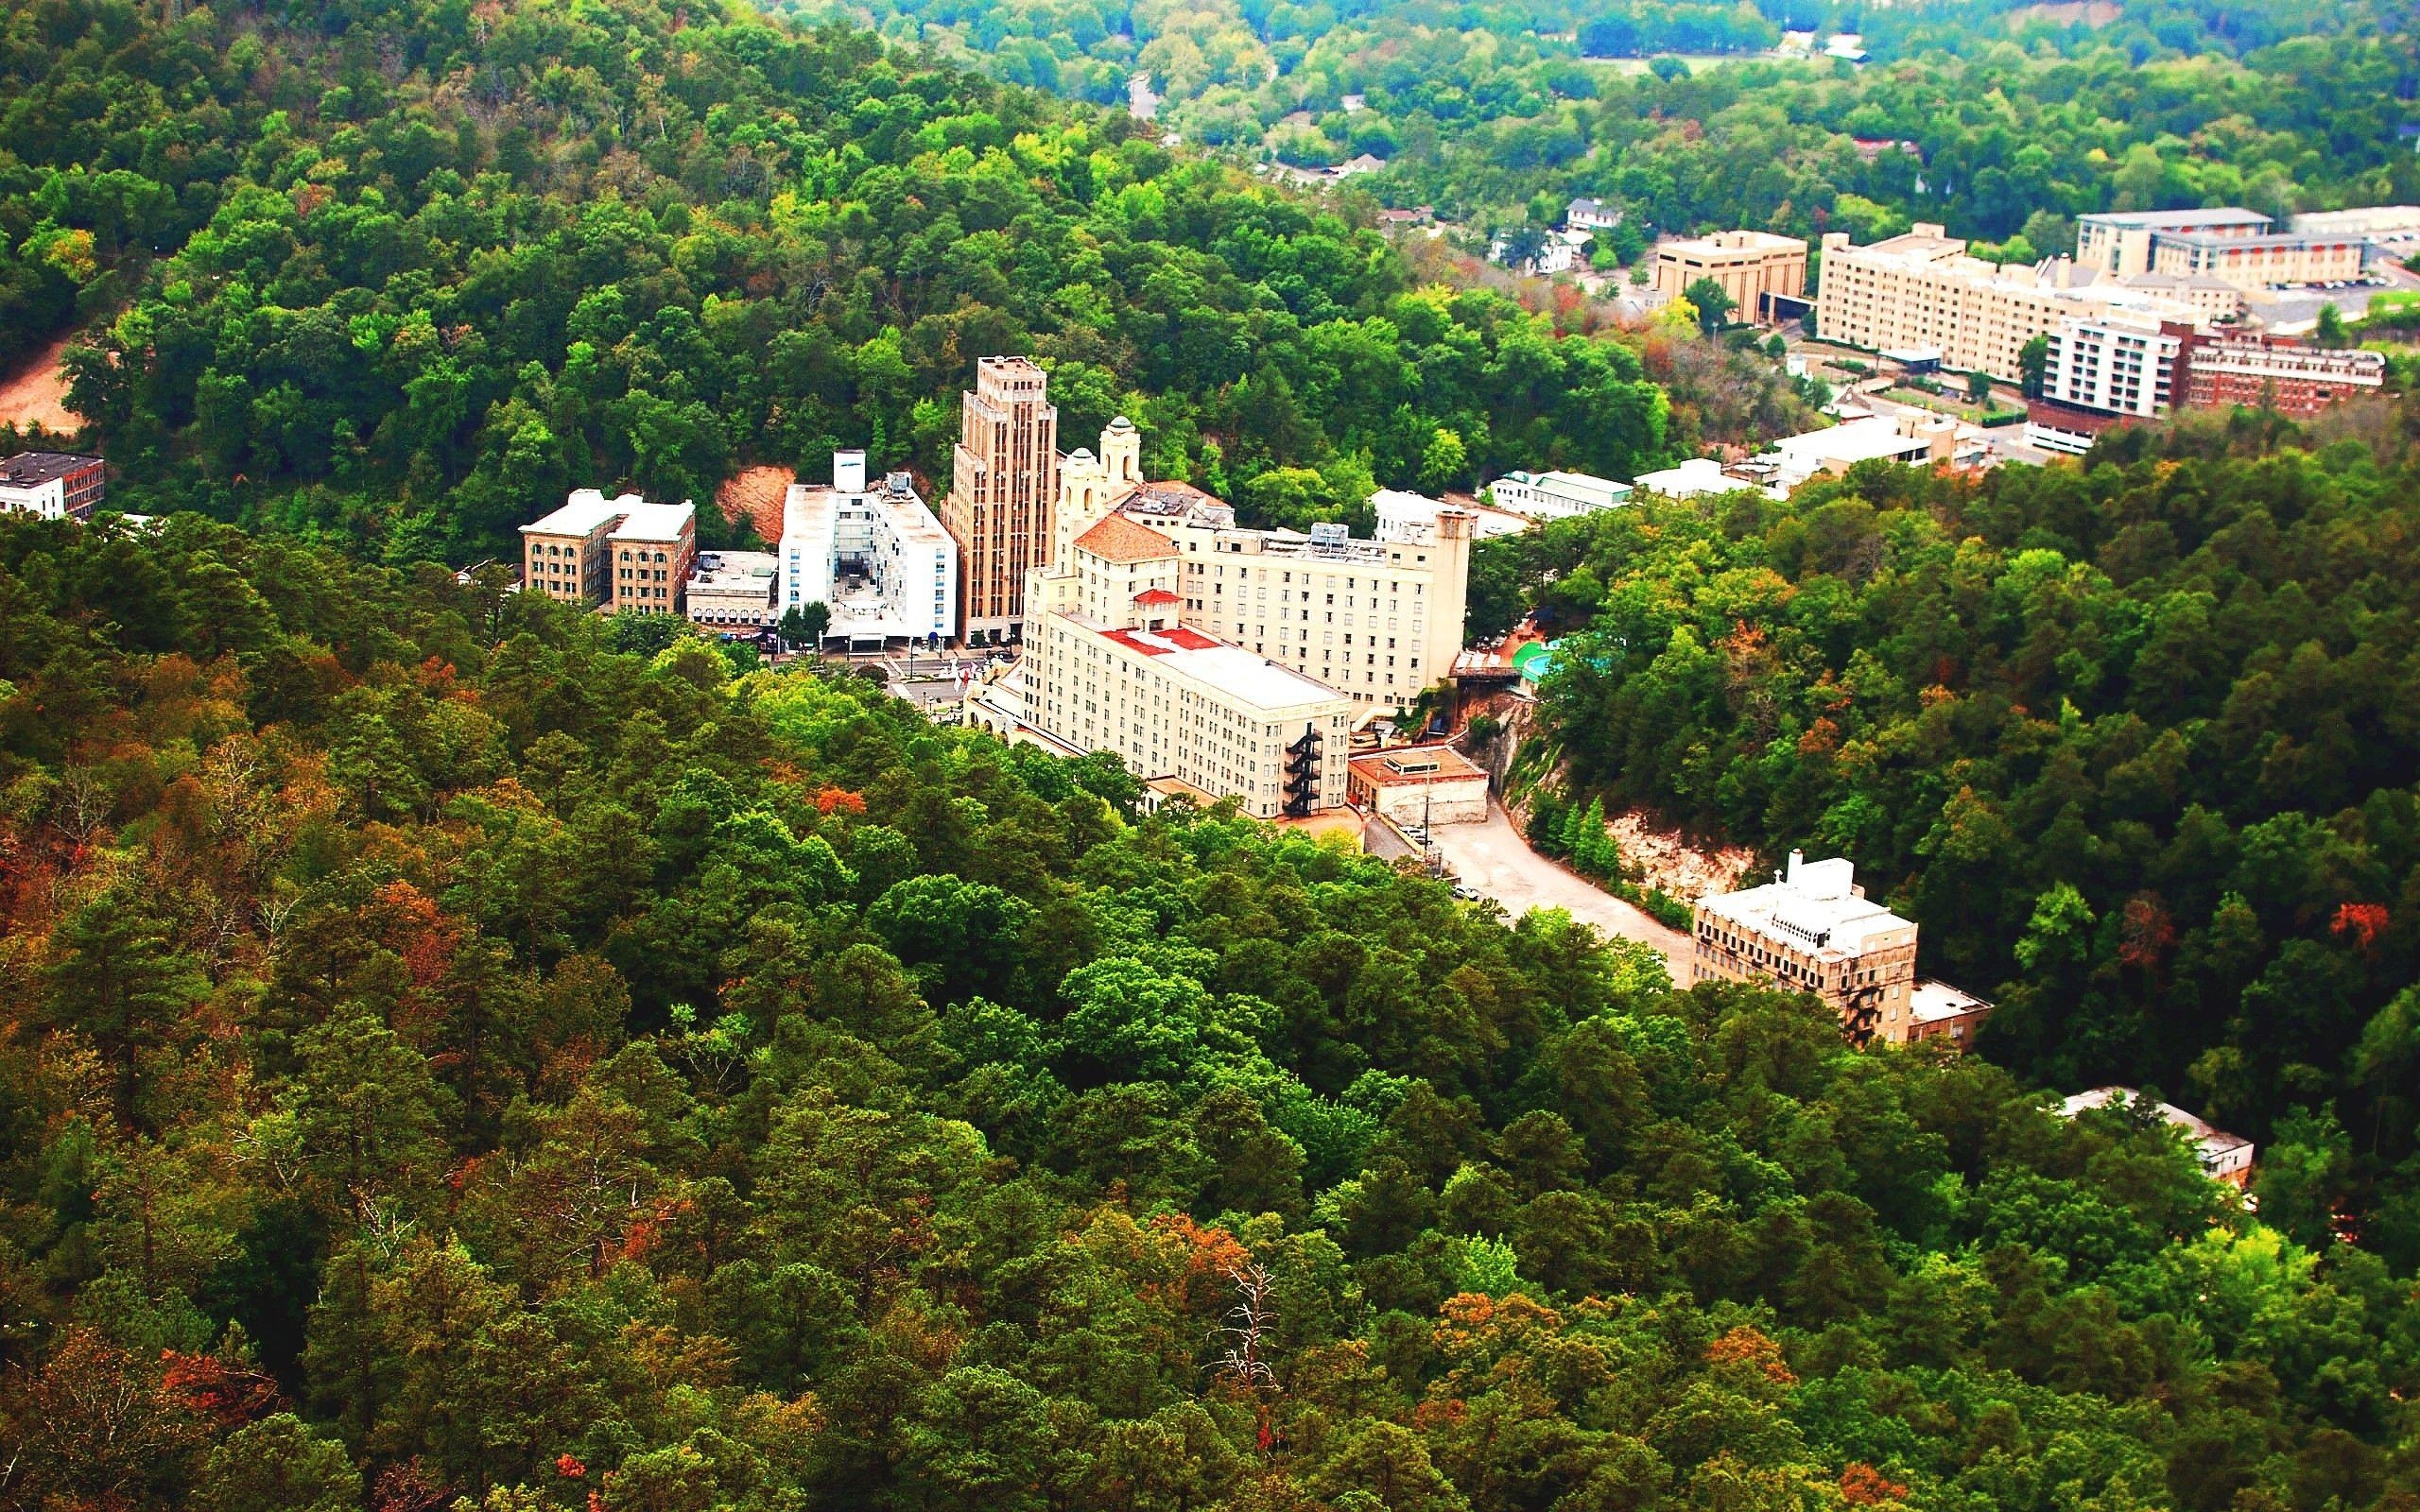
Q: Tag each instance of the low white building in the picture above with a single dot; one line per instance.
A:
(2226, 1156)
(733, 591)
(1837, 448)
(54, 485)
(1697, 478)
(873, 555)
(1556, 495)
(1404, 516)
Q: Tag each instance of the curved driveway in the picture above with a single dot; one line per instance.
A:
(1492, 859)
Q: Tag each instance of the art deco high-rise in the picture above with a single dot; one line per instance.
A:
(1002, 483)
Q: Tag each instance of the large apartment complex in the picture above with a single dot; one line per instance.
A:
(1755, 269)
(2233, 246)
(1812, 928)
(1110, 666)
(1923, 292)
(872, 553)
(622, 554)
(1003, 478)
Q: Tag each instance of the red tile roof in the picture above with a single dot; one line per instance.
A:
(1157, 595)
(1118, 538)
(1159, 643)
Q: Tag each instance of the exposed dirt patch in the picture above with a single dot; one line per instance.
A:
(36, 394)
(1667, 862)
(757, 494)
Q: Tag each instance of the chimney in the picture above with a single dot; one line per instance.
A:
(849, 471)
(1796, 858)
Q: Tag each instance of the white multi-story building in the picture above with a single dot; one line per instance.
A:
(1108, 665)
(1556, 495)
(2114, 366)
(873, 555)
(54, 485)
(1379, 621)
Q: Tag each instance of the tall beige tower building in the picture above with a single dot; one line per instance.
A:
(1002, 484)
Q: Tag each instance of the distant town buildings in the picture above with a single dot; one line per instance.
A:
(1812, 928)
(54, 485)
(1755, 268)
(872, 553)
(2226, 1156)
(1923, 291)
(1418, 785)
(1556, 495)
(1109, 664)
(2235, 246)
(622, 554)
(2387, 230)
(732, 591)
(1003, 478)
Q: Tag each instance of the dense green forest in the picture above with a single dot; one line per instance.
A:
(463, 1053)
(409, 273)
(2132, 741)
(2018, 113)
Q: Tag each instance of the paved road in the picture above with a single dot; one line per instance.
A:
(1493, 859)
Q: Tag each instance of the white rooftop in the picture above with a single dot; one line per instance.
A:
(1216, 665)
(1932, 1000)
(586, 509)
(734, 572)
(1815, 905)
(1861, 440)
(643, 521)
(1698, 476)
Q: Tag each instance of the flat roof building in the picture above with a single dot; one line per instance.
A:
(2233, 245)
(1696, 478)
(733, 591)
(1403, 515)
(1003, 478)
(54, 485)
(2226, 1156)
(1418, 785)
(1812, 928)
(1753, 267)
(1110, 666)
(872, 553)
(1875, 439)
(623, 554)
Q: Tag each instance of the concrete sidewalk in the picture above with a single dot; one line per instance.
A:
(1492, 859)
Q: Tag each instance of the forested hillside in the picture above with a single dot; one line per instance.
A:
(410, 272)
(450, 1062)
(2133, 742)
(1497, 115)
